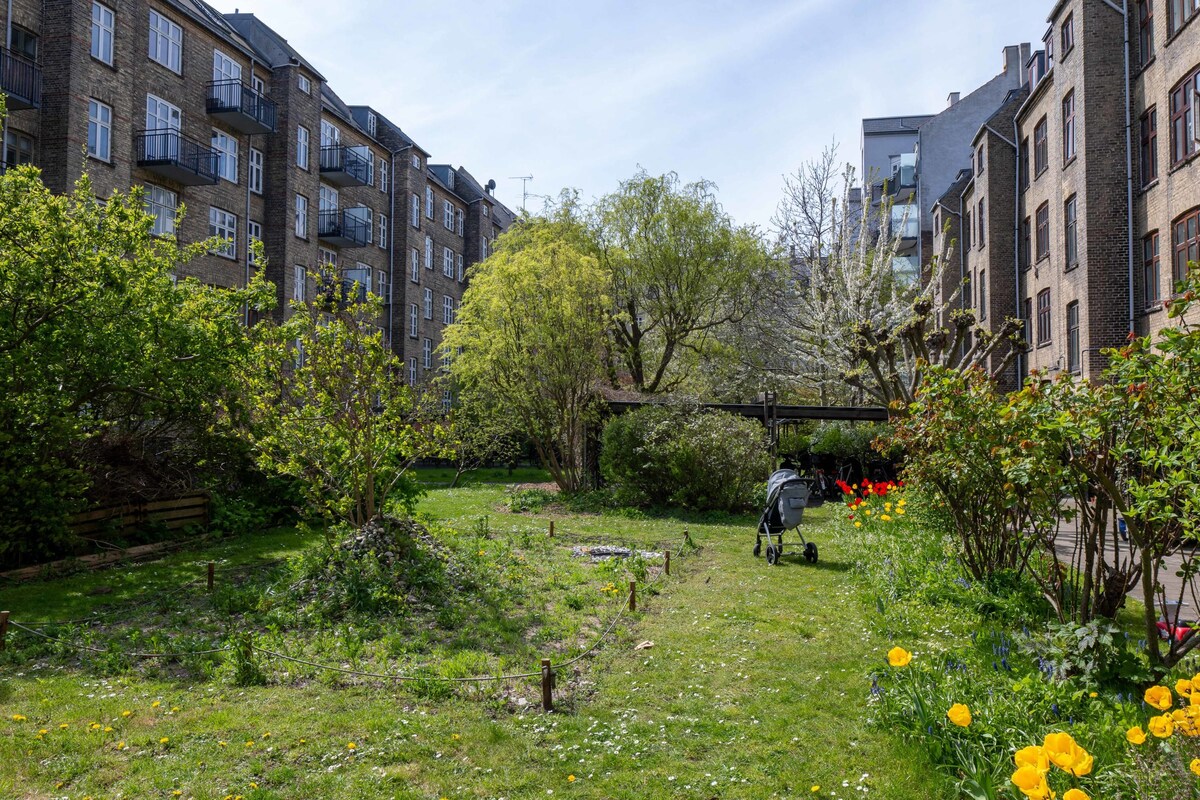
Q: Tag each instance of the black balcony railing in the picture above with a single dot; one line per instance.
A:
(21, 80)
(175, 156)
(340, 227)
(345, 166)
(241, 107)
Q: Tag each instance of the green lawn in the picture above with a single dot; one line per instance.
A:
(754, 687)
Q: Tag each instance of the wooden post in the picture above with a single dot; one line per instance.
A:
(633, 595)
(3, 628)
(547, 686)
(551, 529)
(667, 561)
(687, 537)
(211, 572)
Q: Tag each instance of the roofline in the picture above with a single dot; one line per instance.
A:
(247, 49)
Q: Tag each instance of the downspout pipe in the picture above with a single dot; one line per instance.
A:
(4, 127)
(1020, 361)
(249, 139)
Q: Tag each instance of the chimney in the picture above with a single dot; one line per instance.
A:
(952, 99)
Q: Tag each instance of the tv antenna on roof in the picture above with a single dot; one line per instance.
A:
(525, 193)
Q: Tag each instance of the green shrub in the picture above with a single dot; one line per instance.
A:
(683, 456)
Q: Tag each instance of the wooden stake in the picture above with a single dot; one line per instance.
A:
(547, 686)
(633, 595)
(667, 562)
(211, 572)
(3, 627)
(687, 537)
(551, 529)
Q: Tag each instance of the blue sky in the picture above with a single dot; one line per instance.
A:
(580, 94)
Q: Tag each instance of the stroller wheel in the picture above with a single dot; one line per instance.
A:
(810, 552)
(772, 555)
(757, 547)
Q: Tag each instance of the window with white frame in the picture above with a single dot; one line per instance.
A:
(166, 42)
(253, 235)
(416, 266)
(258, 85)
(225, 68)
(360, 275)
(428, 253)
(429, 202)
(327, 199)
(412, 371)
(302, 216)
(330, 135)
(302, 147)
(447, 215)
(429, 304)
(327, 259)
(483, 250)
(382, 231)
(416, 211)
(416, 161)
(227, 155)
(383, 175)
(447, 309)
(299, 283)
(102, 33)
(447, 396)
(461, 273)
(447, 262)
(305, 84)
(414, 315)
(161, 204)
(99, 143)
(371, 123)
(427, 353)
(223, 225)
(485, 210)
(460, 222)
(254, 173)
(381, 288)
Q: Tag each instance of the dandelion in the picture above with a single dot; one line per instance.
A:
(174, 709)
(120, 745)
(885, 517)
(222, 744)
(303, 741)
(858, 524)
(127, 714)
(267, 735)
(95, 726)
(108, 729)
(455, 736)
(351, 746)
(18, 717)
(63, 727)
(899, 657)
(176, 793)
(571, 778)
(815, 788)
(253, 785)
(249, 743)
(164, 740)
(156, 704)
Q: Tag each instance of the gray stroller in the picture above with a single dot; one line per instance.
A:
(787, 497)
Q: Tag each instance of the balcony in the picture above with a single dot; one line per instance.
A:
(342, 228)
(174, 156)
(906, 221)
(343, 165)
(240, 107)
(21, 81)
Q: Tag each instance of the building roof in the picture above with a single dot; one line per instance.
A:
(215, 21)
(878, 126)
(272, 48)
(381, 121)
(950, 198)
(334, 104)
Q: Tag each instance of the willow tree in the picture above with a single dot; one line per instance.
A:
(530, 342)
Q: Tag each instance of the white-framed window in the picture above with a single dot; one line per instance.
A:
(447, 309)
(327, 259)
(305, 84)
(254, 171)
(223, 225)
(483, 250)
(225, 68)
(327, 199)
(166, 42)
(330, 135)
(428, 253)
(416, 266)
(302, 216)
(414, 315)
(427, 353)
(461, 271)
(162, 116)
(412, 371)
(382, 225)
(258, 85)
(299, 282)
(102, 33)
(486, 210)
(363, 215)
(360, 275)
(383, 175)
(381, 288)
(416, 211)
(429, 202)
(227, 155)
(371, 123)
(447, 262)
(448, 215)
(99, 143)
(161, 204)
(429, 304)
(253, 234)
(460, 222)
(302, 147)
(447, 397)
(416, 161)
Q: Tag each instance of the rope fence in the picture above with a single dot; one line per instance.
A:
(547, 671)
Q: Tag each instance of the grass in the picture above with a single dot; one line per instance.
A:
(755, 685)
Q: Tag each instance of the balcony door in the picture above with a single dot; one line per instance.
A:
(163, 123)
(330, 136)
(329, 199)
(227, 74)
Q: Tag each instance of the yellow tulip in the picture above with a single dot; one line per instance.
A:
(1195, 766)
(960, 715)
(1136, 735)
(1075, 794)
(1183, 686)
(1158, 697)
(1032, 756)
(1032, 783)
(1066, 754)
(899, 657)
(1162, 726)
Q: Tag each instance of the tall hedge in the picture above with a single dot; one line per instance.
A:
(685, 456)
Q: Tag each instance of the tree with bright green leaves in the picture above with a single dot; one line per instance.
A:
(530, 343)
(114, 378)
(681, 271)
(328, 406)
